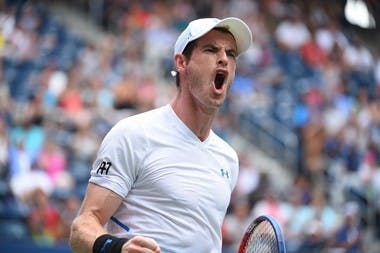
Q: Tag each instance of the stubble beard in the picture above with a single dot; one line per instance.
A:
(201, 91)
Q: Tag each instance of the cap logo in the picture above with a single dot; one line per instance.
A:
(189, 35)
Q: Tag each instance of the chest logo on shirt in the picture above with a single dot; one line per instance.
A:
(104, 168)
(224, 173)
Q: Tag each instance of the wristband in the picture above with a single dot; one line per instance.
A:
(108, 244)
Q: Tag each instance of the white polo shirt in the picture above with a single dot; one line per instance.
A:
(175, 188)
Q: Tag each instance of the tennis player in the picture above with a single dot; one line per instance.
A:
(162, 179)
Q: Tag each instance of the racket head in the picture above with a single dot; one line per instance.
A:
(263, 235)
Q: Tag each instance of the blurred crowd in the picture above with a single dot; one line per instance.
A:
(307, 69)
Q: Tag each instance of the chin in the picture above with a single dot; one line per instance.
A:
(217, 104)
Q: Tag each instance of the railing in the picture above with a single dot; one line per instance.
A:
(269, 135)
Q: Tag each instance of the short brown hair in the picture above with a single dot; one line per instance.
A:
(187, 52)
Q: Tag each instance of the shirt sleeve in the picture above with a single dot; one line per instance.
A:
(117, 162)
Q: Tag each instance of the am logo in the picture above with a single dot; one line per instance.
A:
(104, 168)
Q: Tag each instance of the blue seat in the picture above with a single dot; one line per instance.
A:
(13, 229)
(13, 209)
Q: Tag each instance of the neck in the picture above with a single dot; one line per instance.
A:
(197, 119)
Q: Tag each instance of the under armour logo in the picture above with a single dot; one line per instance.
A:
(224, 173)
(104, 168)
(108, 241)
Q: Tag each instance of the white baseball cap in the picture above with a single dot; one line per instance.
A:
(199, 27)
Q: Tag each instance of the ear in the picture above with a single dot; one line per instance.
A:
(180, 62)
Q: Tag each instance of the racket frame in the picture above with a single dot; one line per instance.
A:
(277, 231)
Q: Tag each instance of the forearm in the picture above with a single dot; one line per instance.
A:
(84, 230)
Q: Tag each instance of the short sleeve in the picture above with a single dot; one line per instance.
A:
(117, 162)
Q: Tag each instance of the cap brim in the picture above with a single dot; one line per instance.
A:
(239, 30)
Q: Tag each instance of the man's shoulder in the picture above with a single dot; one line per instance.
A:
(142, 117)
(140, 121)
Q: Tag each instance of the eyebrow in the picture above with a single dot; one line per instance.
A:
(213, 46)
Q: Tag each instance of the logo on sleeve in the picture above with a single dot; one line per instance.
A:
(104, 168)
(225, 173)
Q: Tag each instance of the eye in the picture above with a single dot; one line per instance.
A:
(210, 49)
(232, 54)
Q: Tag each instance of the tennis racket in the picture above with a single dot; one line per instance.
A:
(263, 235)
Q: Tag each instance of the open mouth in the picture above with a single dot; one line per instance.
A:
(219, 80)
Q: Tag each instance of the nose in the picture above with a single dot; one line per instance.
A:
(222, 58)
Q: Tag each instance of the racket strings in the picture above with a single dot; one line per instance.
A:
(263, 239)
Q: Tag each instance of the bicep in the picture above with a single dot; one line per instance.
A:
(100, 202)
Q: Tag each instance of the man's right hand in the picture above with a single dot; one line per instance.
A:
(141, 244)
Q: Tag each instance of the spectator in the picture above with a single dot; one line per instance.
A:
(248, 179)
(349, 236)
(28, 178)
(53, 82)
(295, 225)
(53, 161)
(44, 220)
(313, 54)
(377, 71)
(330, 36)
(235, 224)
(22, 44)
(70, 99)
(359, 62)
(269, 205)
(292, 24)
(84, 142)
(4, 147)
(7, 25)
(70, 206)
